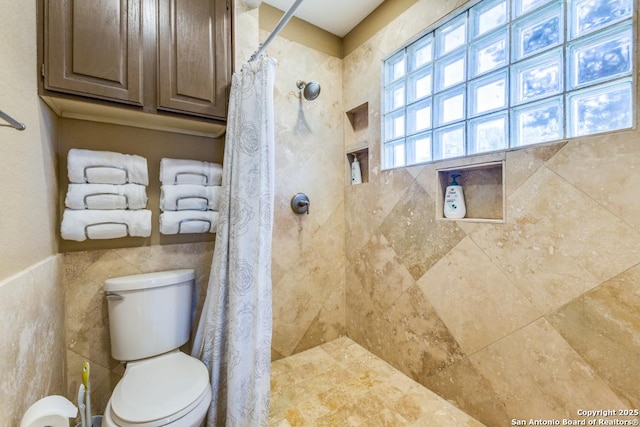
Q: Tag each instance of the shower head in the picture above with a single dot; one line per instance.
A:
(310, 90)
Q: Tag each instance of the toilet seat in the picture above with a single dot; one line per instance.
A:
(157, 391)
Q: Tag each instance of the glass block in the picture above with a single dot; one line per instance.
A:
(421, 52)
(452, 35)
(600, 109)
(449, 142)
(537, 122)
(537, 77)
(486, 16)
(520, 7)
(394, 67)
(488, 93)
(451, 70)
(419, 116)
(394, 96)
(419, 148)
(602, 56)
(394, 154)
(419, 84)
(489, 53)
(394, 125)
(488, 133)
(538, 31)
(589, 15)
(449, 106)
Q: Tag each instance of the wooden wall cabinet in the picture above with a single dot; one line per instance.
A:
(94, 48)
(193, 56)
(161, 55)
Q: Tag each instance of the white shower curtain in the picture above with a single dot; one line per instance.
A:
(234, 334)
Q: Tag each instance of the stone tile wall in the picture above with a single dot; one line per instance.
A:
(533, 318)
(31, 338)
(308, 250)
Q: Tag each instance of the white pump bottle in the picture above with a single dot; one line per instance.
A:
(454, 206)
(356, 173)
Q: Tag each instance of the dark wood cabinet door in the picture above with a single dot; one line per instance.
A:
(194, 56)
(94, 48)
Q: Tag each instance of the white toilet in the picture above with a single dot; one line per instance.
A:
(149, 319)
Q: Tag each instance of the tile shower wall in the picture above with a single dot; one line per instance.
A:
(32, 356)
(534, 318)
(308, 250)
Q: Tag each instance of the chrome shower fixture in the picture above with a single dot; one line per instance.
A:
(310, 90)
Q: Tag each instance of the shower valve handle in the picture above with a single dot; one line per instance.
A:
(300, 203)
(303, 203)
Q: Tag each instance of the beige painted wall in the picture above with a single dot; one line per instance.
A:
(31, 299)
(27, 168)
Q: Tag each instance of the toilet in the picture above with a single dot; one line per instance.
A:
(149, 319)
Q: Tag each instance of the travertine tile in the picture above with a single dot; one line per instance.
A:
(432, 410)
(382, 277)
(606, 168)
(412, 338)
(292, 233)
(307, 294)
(558, 243)
(462, 385)
(76, 262)
(319, 178)
(524, 162)
(327, 325)
(31, 338)
(477, 309)
(355, 391)
(370, 204)
(538, 375)
(413, 232)
(308, 250)
(87, 319)
(603, 326)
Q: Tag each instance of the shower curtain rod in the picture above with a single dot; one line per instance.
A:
(281, 24)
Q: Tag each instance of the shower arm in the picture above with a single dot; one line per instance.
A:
(279, 26)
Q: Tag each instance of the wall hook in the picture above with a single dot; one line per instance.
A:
(300, 203)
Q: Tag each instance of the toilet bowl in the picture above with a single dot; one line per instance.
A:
(147, 394)
(149, 318)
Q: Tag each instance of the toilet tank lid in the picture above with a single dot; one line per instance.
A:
(148, 280)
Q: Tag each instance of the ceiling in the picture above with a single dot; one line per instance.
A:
(335, 16)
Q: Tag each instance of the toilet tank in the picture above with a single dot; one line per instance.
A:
(149, 314)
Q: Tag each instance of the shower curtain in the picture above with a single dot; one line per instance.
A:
(234, 334)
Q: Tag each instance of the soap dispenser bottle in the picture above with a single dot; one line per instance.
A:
(356, 173)
(454, 206)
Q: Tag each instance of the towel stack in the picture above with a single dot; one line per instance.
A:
(189, 196)
(107, 196)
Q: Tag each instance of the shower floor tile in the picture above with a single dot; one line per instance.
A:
(341, 384)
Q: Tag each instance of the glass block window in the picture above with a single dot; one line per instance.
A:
(503, 74)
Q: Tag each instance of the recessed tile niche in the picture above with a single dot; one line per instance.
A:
(356, 140)
(484, 191)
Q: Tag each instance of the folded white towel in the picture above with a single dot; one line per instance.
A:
(106, 196)
(80, 225)
(106, 167)
(179, 171)
(182, 222)
(190, 197)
